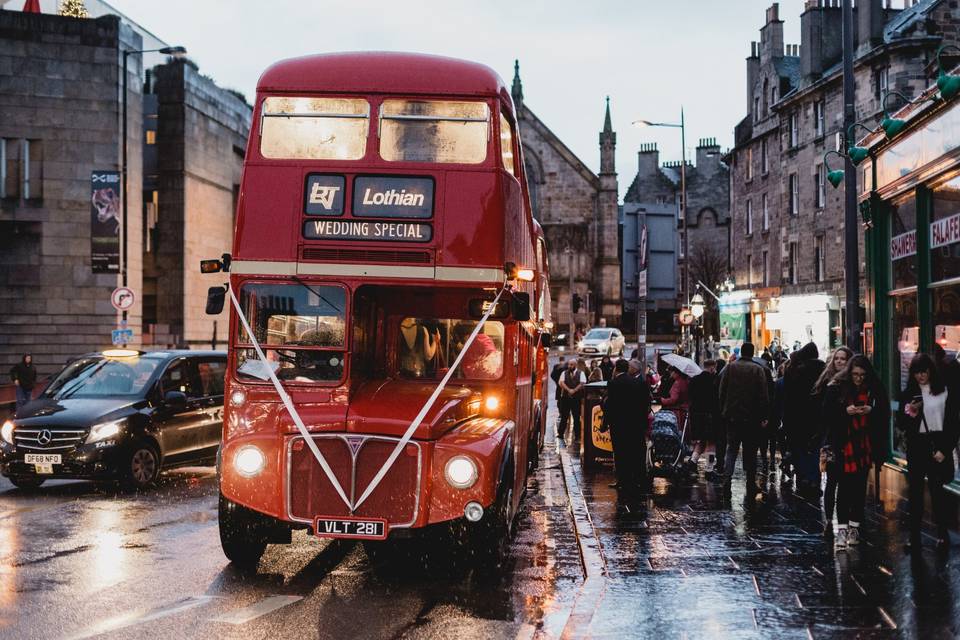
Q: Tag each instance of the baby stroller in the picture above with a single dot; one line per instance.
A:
(667, 449)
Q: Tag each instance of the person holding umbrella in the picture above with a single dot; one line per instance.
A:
(681, 370)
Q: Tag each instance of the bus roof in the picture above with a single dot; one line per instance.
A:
(382, 72)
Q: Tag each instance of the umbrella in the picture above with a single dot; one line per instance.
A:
(686, 366)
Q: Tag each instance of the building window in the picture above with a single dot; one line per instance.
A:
(819, 262)
(881, 82)
(766, 212)
(794, 129)
(792, 276)
(821, 194)
(32, 169)
(749, 169)
(756, 108)
(819, 119)
(749, 217)
(764, 163)
(765, 266)
(794, 195)
(749, 269)
(9, 168)
(151, 136)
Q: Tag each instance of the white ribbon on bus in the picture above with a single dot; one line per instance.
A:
(408, 434)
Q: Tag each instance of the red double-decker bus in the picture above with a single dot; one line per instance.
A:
(390, 308)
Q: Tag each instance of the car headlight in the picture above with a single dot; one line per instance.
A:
(104, 430)
(461, 472)
(7, 432)
(249, 461)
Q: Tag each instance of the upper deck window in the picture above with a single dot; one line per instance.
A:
(506, 144)
(314, 128)
(434, 131)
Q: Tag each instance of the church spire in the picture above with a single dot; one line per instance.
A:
(517, 90)
(607, 125)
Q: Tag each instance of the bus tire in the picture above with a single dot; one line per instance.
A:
(491, 545)
(241, 535)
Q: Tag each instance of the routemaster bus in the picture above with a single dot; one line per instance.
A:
(389, 308)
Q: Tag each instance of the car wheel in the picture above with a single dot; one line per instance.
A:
(26, 483)
(142, 467)
(241, 538)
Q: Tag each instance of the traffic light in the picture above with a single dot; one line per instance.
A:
(577, 301)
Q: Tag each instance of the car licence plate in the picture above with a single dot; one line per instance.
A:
(351, 528)
(42, 458)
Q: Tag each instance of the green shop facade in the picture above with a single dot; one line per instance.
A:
(910, 205)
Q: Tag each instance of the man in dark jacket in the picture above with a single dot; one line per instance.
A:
(745, 406)
(24, 376)
(802, 416)
(625, 413)
(555, 376)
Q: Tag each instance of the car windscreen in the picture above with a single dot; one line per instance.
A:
(598, 334)
(97, 376)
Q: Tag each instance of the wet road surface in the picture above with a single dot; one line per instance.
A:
(79, 563)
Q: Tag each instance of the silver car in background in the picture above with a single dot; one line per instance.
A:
(601, 341)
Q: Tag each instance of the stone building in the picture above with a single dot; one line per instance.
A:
(707, 226)
(191, 193)
(59, 79)
(787, 222)
(578, 211)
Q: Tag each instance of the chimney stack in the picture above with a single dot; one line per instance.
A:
(648, 160)
(821, 37)
(870, 21)
(771, 35)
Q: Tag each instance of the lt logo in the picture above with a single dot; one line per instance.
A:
(323, 195)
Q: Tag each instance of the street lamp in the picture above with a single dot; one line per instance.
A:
(684, 273)
(176, 52)
(697, 309)
(697, 305)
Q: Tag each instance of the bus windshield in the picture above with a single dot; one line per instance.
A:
(434, 131)
(300, 327)
(314, 128)
(429, 346)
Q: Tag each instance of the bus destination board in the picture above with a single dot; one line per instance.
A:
(363, 230)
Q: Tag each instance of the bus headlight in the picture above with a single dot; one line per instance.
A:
(249, 461)
(461, 472)
(237, 398)
(7, 432)
(491, 404)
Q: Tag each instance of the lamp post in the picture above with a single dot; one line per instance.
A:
(177, 52)
(851, 228)
(697, 309)
(684, 271)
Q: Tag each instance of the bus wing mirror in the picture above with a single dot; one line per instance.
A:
(216, 296)
(521, 306)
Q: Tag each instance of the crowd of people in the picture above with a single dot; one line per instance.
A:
(825, 423)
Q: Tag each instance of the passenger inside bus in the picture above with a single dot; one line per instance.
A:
(427, 346)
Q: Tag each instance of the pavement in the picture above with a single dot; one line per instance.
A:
(690, 560)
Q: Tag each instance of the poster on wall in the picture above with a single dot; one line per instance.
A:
(105, 221)
(733, 327)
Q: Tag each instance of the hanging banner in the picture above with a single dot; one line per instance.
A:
(105, 221)
(733, 326)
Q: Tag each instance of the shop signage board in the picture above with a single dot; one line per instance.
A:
(903, 245)
(945, 231)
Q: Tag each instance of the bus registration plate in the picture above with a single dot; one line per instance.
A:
(351, 528)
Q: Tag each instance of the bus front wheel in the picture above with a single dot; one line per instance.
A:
(241, 535)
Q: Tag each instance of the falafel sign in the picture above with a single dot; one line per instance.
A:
(105, 221)
(363, 230)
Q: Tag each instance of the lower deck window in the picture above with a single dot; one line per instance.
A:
(428, 347)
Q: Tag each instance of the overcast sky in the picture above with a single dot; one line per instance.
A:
(649, 56)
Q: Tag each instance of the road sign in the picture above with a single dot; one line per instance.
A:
(122, 298)
(686, 317)
(121, 336)
(642, 284)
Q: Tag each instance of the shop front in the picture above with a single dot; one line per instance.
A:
(910, 202)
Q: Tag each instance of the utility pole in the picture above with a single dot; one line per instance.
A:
(851, 223)
(573, 323)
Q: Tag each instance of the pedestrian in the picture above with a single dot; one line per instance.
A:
(571, 384)
(835, 365)
(625, 413)
(582, 367)
(606, 367)
(948, 365)
(767, 357)
(856, 412)
(651, 376)
(930, 416)
(595, 375)
(555, 373)
(704, 410)
(24, 377)
(800, 416)
(745, 406)
(786, 468)
(678, 399)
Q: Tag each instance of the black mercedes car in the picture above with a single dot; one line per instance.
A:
(119, 415)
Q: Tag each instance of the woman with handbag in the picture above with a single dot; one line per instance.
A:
(856, 411)
(836, 364)
(930, 416)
